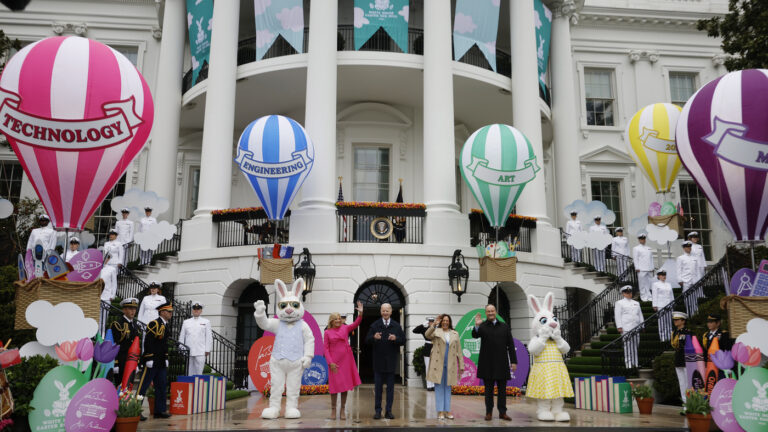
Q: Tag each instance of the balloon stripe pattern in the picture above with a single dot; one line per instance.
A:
(650, 138)
(76, 112)
(497, 161)
(722, 139)
(275, 155)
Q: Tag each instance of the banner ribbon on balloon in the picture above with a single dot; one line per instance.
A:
(115, 127)
(248, 165)
(480, 170)
(650, 139)
(730, 144)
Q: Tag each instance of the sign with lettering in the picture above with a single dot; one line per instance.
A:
(750, 400)
(53, 396)
(316, 373)
(93, 407)
(258, 361)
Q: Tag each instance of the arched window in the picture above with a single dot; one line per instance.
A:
(247, 330)
(375, 293)
(502, 304)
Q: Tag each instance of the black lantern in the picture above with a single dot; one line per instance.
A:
(458, 274)
(305, 269)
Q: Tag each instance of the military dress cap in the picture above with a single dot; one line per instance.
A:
(679, 315)
(574, 212)
(155, 284)
(661, 272)
(197, 305)
(626, 288)
(148, 208)
(165, 307)
(619, 229)
(641, 236)
(43, 217)
(130, 302)
(693, 234)
(687, 244)
(713, 317)
(74, 239)
(124, 210)
(112, 231)
(598, 218)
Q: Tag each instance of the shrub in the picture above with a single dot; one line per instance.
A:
(9, 274)
(24, 378)
(642, 392)
(665, 379)
(418, 361)
(129, 407)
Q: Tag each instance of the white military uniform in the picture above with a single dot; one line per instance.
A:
(697, 251)
(114, 251)
(125, 228)
(642, 256)
(69, 254)
(687, 270)
(196, 334)
(144, 225)
(620, 252)
(662, 296)
(598, 254)
(628, 315)
(571, 228)
(46, 237)
(147, 311)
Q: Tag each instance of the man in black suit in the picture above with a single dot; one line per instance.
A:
(155, 358)
(497, 357)
(124, 331)
(386, 336)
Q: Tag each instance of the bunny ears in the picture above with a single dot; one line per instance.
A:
(298, 288)
(536, 307)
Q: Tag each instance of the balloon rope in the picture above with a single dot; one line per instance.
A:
(752, 253)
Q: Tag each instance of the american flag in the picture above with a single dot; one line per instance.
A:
(344, 223)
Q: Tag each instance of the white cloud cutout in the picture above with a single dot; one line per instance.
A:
(670, 266)
(86, 239)
(31, 349)
(464, 24)
(537, 19)
(149, 240)
(6, 208)
(660, 234)
(595, 240)
(757, 328)
(259, 6)
(136, 199)
(360, 19)
(637, 225)
(291, 19)
(189, 20)
(264, 37)
(61, 323)
(588, 212)
(404, 12)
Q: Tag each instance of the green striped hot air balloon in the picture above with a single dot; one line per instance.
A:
(497, 161)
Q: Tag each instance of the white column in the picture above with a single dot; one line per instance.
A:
(444, 224)
(564, 109)
(161, 169)
(318, 194)
(218, 127)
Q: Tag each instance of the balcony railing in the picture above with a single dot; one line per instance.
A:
(481, 232)
(380, 225)
(602, 261)
(251, 228)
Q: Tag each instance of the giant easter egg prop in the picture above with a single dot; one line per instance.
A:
(76, 113)
(650, 138)
(497, 161)
(722, 139)
(275, 155)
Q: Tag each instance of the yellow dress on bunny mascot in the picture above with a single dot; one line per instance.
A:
(549, 377)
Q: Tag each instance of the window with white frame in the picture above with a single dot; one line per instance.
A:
(600, 98)
(194, 189)
(11, 175)
(371, 173)
(696, 210)
(130, 52)
(682, 85)
(609, 193)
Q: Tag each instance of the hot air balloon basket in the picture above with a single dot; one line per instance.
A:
(84, 294)
(742, 309)
(498, 269)
(275, 268)
(674, 222)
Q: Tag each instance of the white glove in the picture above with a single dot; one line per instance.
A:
(166, 363)
(260, 308)
(115, 370)
(150, 363)
(305, 362)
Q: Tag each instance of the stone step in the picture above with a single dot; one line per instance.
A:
(605, 280)
(602, 331)
(590, 275)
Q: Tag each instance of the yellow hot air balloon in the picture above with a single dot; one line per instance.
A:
(650, 138)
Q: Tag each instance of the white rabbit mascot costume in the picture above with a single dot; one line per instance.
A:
(548, 381)
(293, 349)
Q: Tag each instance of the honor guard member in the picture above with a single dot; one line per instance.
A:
(571, 228)
(662, 296)
(44, 237)
(628, 315)
(714, 331)
(196, 334)
(697, 251)
(155, 358)
(124, 331)
(113, 261)
(642, 256)
(125, 229)
(687, 269)
(149, 304)
(678, 343)
(598, 254)
(74, 249)
(620, 250)
(145, 224)
(427, 351)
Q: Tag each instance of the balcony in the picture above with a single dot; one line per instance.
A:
(517, 229)
(247, 227)
(380, 224)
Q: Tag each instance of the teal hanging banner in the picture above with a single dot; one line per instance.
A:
(543, 18)
(476, 23)
(391, 15)
(278, 18)
(199, 20)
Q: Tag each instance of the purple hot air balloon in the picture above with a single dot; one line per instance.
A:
(722, 139)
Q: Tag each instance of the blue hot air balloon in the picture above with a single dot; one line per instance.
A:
(275, 155)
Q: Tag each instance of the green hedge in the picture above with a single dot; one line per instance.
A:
(236, 394)
(665, 379)
(24, 378)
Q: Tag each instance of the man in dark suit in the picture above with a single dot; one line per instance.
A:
(497, 357)
(386, 336)
(724, 340)
(124, 331)
(155, 358)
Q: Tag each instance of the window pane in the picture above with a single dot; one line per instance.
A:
(681, 86)
(11, 174)
(371, 176)
(597, 83)
(609, 193)
(694, 205)
(130, 52)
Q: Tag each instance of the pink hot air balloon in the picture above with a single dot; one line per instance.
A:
(76, 113)
(722, 139)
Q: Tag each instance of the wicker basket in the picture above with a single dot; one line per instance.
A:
(275, 268)
(498, 269)
(741, 310)
(674, 222)
(87, 295)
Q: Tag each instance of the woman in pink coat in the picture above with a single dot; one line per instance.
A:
(338, 353)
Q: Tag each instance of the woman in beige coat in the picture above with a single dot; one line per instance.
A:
(446, 362)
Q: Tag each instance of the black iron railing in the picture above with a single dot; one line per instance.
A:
(516, 229)
(380, 225)
(229, 360)
(252, 231)
(602, 261)
(651, 346)
(166, 247)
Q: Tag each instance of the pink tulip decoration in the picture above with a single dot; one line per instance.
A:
(739, 352)
(67, 351)
(754, 357)
(84, 349)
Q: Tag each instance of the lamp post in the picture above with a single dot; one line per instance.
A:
(305, 269)
(458, 274)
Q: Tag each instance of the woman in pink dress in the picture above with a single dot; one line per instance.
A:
(338, 354)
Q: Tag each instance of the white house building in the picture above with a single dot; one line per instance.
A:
(378, 116)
